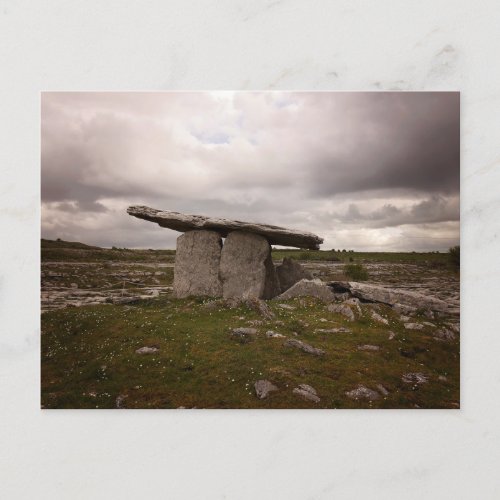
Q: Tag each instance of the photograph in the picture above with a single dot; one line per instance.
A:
(250, 250)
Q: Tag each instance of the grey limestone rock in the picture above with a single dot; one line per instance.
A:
(291, 272)
(197, 259)
(246, 267)
(183, 222)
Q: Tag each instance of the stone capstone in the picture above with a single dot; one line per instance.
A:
(246, 267)
(275, 235)
(196, 270)
(291, 272)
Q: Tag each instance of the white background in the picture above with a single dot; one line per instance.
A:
(91, 45)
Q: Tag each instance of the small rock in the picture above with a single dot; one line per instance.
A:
(244, 335)
(263, 388)
(260, 307)
(362, 392)
(274, 335)
(391, 335)
(304, 347)
(368, 347)
(287, 307)
(354, 301)
(379, 319)
(382, 390)
(147, 350)
(119, 401)
(404, 319)
(426, 323)
(342, 309)
(444, 334)
(414, 326)
(415, 378)
(333, 330)
(442, 378)
(307, 392)
(255, 322)
(279, 323)
(74, 285)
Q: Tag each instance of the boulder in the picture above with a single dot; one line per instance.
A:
(246, 267)
(291, 272)
(313, 288)
(197, 259)
(183, 222)
(391, 296)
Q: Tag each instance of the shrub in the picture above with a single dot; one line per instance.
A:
(455, 256)
(356, 272)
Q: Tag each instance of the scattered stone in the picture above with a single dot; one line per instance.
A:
(196, 270)
(244, 331)
(74, 285)
(291, 272)
(279, 323)
(255, 322)
(246, 267)
(391, 335)
(184, 222)
(414, 326)
(342, 309)
(333, 330)
(287, 307)
(307, 392)
(362, 392)
(354, 301)
(404, 319)
(442, 378)
(382, 390)
(379, 319)
(314, 288)
(405, 310)
(274, 335)
(444, 334)
(415, 378)
(147, 350)
(119, 401)
(323, 320)
(304, 347)
(263, 388)
(368, 347)
(426, 323)
(391, 296)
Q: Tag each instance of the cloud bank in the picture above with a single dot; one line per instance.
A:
(368, 171)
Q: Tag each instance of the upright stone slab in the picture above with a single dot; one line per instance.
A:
(246, 267)
(291, 272)
(197, 259)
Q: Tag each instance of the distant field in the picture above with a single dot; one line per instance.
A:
(53, 250)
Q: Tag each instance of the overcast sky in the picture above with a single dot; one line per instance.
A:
(365, 171)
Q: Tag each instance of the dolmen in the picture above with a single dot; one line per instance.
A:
(241, 266)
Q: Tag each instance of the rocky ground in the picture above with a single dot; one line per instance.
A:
(113, 337)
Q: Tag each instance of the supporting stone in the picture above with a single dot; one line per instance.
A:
(291, 272)
(246, 267)
(197, 259)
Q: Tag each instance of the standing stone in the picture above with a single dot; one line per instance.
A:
(196, 270)
(246, 267)
(291, 272)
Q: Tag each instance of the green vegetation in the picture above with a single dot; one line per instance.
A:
(58, 250)
(89, 358)
(356, 272)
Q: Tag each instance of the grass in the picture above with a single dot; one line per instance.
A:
(356, 272)
(89, 359)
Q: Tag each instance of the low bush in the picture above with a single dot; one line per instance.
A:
(356, 272)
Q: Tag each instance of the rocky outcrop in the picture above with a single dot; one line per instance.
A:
(291, 272)
(275, 235)
(197, 259)
(246, 267)
(390, 296)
